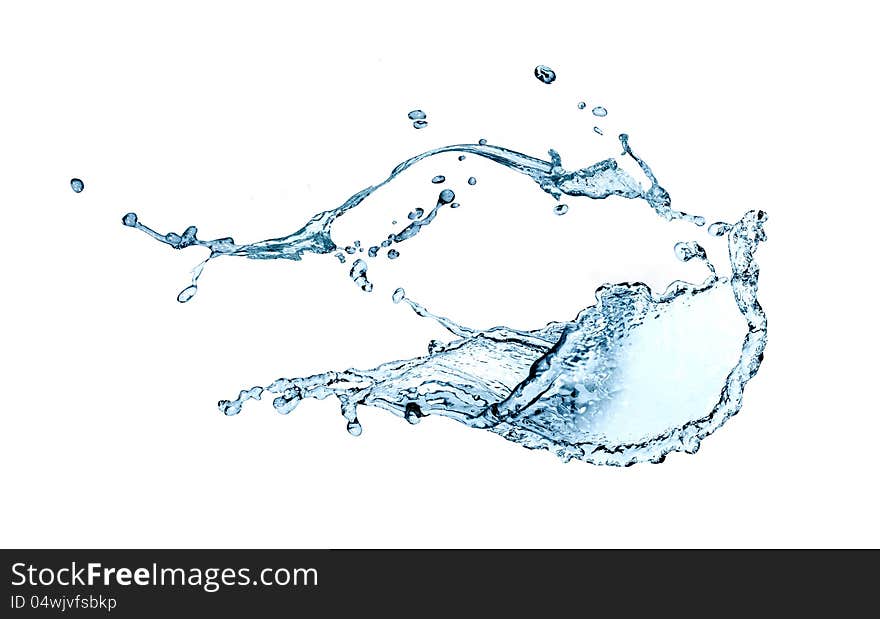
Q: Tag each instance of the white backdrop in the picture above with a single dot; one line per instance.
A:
(246, 118)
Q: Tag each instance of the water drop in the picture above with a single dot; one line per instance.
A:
(77, 185)
(598, 130)
(354, 428)
(446, 196)
(358, 275)
(420, 124)
(392, 254)
(454, 205)
(482, 142)
(719, 228)
(438, 179)
(373, 251)
(130, 219)
(187, 293)
(686, 251)
(545, 74)
(417, 115)
(350, 250)
(398, 295)
(560, 209)
(472, 181)
(416, 213)
(600, 111)
(461, 157)
(582, 105)
(412, 413)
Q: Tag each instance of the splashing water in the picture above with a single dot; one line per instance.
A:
(597, 181)
(636, 376)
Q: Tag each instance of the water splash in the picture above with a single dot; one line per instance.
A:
(597, 181)
(631, 379)
(636, 376)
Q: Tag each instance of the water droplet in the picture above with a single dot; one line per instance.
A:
(454, 205)
(686, 251)
(398, 295)
(354, 428)
(417, 115)
(545, 74)
(130, 219)
(350, 250)
(699, 220)
(719, 228)
(581, 105)
(598, 130)
(482, 142)
(187, 293)
(373, 251)
(77, 185)
(472, 181)
(416, 213)
(560, 209)
(461, 157)
(600, 111)
(420, 124)
(340, 256)
(446, 196)
(392, 254)
(438, 179)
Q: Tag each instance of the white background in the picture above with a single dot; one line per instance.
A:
(247, 118)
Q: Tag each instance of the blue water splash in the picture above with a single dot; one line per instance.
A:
(636, 376)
